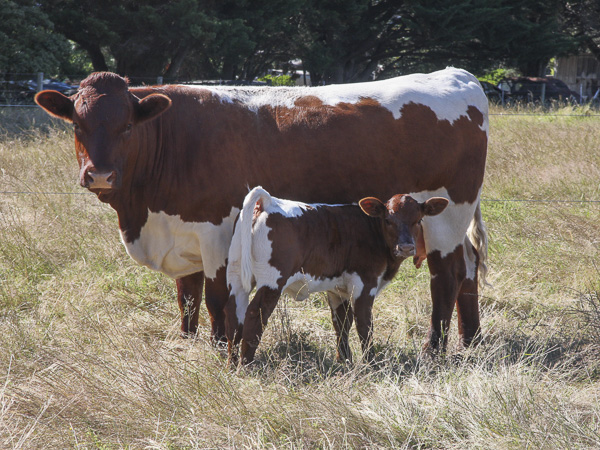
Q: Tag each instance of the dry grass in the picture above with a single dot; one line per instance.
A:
(92, 359)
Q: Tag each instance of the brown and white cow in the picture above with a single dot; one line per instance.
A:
(349, 251)
(175, 163)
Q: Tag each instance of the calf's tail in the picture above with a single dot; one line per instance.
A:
(258, 194)
(478, 235)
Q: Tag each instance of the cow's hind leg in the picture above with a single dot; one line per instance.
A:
(467, 302)
(341, 315)
(189, 296)
(447, 275)
(217, 295)
(257, 316)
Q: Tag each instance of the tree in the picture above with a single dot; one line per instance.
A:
(582, 20)
(341, 41)
(357, 40)
(144, 38)
(27, 40)
(337, 40)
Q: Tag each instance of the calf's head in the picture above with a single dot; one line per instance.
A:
(400, 219)
(104, 114)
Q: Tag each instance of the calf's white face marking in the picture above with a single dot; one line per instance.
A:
(177, 248)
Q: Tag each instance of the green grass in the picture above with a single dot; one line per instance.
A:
(92, 358)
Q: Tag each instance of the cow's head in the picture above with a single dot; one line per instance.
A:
(400, 218)
(104, 114)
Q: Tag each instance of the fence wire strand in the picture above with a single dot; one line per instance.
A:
(491, 200)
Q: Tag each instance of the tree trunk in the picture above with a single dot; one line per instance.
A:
(98, 61)
(176, 62)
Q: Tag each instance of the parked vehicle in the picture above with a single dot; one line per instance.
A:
(24, 90)
(530, 89)
(494, 93)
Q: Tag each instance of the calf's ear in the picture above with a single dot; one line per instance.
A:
(372, 207)
(55, 104)
(150, 107)
(434, 206)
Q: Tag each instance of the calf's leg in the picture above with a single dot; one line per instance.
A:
(235, 313)
(341, 315)
(257, 316)
(363, 314)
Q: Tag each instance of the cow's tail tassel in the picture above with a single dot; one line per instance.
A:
(479, 238)
(255, 202)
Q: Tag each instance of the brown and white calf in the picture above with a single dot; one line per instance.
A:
(349, 251)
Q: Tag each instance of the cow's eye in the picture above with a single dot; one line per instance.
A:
(75, 126)
(129, 127)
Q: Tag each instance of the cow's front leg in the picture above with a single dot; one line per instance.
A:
(189, 296)
(447, 275)
(217, 294)
(363, 314)
(257, 316)
(341, 316)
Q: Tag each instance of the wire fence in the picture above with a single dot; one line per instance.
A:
(485, 200)
(17, 90)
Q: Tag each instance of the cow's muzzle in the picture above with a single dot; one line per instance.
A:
(99, 180)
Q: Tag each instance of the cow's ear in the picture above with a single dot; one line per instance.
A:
(372, 207)
(55, 104)
(150, 107)
(434, 206)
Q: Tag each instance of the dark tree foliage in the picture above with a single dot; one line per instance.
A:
(250, 36)
(27, 41)
(478, 34)
(582, 20)
(337, 40)
(143, 38)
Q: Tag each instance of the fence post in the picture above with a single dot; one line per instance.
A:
(159, 80)
(543, 96)
(40, 81)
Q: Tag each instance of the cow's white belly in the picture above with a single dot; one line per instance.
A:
(177, 248)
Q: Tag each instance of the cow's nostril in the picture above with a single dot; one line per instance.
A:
(87, 178)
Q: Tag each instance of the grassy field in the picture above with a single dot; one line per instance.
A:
(91, 355)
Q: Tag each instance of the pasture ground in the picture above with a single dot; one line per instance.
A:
(91, 355)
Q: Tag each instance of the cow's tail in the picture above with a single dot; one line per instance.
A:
(258, 194)
(478, 235)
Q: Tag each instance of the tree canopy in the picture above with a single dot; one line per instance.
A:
(337, 40)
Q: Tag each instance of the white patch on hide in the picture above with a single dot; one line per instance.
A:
(447, 92)
(348, 286)
(177, 248)
(447, 230)
(381, 284)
